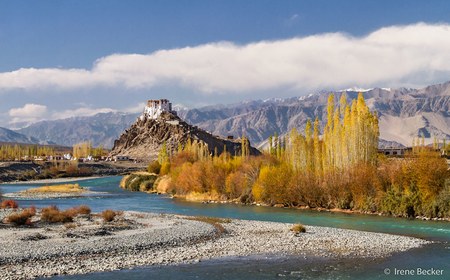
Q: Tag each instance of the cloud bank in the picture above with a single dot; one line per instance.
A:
(412, 55)
(31, 113)
(28, 113)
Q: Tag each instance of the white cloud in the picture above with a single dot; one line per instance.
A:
(138, 108)
(28, 113)
(31, 113)
(412, 55)
(83, 111)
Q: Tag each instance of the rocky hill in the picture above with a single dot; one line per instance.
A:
(144, 139)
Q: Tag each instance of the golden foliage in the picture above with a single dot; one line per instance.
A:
(17, 152)
(82, 150)
(338, 170)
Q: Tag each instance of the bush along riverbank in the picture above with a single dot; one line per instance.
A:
(139, 181)
(339, 170)
(49, 241)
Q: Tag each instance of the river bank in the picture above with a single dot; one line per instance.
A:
(54, 180)
(162, 185)
(35, 172)
(139, 239)
(213, 200)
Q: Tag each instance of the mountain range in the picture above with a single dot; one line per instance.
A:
(100, 129)
(7, 135)
(404, 114)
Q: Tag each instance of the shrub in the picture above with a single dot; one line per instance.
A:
(298, 228)
(154, 167)
(147, 185)
(52, 214)
(22, 218)
(442, 206)
(123, 181)
(9, 204)
(165, 168)
(18, 219)
(108, 215)
(71, 212)
(134, 181)
(72, 170)
(85, 171)
(84, 210)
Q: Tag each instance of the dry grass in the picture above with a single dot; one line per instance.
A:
(83, 210)
(199, 197)
(22, 218)
(216, 222)
(210, 219)
(109, 215)
(66, 188)
(162, 184)
(9, 204)
(143, 173)
(71, 212)
(52, 214)
(298, 228)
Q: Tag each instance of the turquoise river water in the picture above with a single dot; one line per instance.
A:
(433, 256)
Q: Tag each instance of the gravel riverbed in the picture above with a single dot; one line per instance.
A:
(139, 239)
(52, 181)
(50, 195)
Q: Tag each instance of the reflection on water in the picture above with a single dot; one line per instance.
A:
(235, 268)
(435, 255)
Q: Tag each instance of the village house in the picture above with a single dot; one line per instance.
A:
(395, 152)
(121, 158)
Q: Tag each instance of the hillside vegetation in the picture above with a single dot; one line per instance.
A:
(341, 170)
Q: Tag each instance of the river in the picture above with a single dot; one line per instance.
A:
(417, 261)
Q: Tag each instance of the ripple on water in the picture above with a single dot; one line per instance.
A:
(436, 254)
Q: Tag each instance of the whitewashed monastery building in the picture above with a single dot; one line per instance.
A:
(154, 108)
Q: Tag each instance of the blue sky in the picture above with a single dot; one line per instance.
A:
(68, 58)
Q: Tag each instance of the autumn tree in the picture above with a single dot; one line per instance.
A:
(82, 150)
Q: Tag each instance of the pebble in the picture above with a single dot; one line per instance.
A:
(173, 239)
